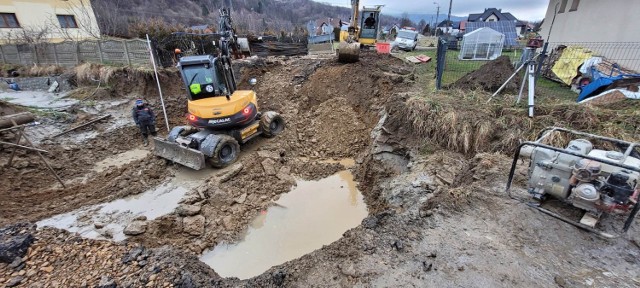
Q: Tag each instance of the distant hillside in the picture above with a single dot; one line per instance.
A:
(415, 18)
(255, 16)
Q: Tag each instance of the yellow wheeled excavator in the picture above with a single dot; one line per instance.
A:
(362, 31)
(220, 117)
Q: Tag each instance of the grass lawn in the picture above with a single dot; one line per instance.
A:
(465, 121)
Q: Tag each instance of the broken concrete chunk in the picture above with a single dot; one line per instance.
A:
(241, 198)
(193, 225)
(14, 246)
(231, 172)
(269, 166)
(135, 228)
(188, 210)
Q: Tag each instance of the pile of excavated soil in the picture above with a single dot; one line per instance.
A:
(489, 77)
(60, 259)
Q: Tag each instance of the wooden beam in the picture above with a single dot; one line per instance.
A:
(13, 153)
(16, 119)
(81, 125)
(24, 147)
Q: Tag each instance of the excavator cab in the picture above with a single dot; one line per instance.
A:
(363, 31)
(370, 25)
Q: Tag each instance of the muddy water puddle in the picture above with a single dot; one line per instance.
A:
(121, 159)
(115, 215)
(313, 214)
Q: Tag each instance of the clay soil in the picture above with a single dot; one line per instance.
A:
(438, 216)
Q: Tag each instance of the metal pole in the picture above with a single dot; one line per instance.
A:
(532, 86)
(449, 17)
(437, 15)
(155, 70)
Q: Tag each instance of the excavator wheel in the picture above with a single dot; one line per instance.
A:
(225, 152)
(271, 124)
(348, 52)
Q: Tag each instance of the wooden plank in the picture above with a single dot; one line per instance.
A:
(423, 58)
(413, 59)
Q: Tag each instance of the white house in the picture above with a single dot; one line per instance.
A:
(592, 21)
(595, 21)
(495, 15)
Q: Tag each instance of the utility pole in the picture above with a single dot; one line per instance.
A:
(449, 17)
(437, 14)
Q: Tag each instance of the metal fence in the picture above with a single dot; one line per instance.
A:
(123, 52)
(626, 54)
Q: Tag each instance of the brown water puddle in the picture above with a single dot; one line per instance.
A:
(121, 159)
(313, 214)
(115, 215)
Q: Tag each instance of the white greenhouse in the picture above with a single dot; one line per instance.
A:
(482, 44)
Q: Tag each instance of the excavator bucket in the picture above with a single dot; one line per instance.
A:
(191, 158)
(348, 52)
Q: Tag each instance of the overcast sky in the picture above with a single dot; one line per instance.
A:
(521, 9)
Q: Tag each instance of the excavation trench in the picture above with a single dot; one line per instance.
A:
(287, 196)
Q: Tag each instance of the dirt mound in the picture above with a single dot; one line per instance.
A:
(489, 77)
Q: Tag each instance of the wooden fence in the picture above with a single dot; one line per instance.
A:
(132, 52)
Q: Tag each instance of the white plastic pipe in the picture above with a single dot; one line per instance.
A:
(532, 87)
(155, 70)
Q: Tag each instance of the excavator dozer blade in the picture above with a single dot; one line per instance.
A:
(348, 52)
(188, 157)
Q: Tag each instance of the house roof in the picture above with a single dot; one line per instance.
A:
(487, 13)
(454, 25)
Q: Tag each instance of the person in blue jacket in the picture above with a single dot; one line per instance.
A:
(145, 119)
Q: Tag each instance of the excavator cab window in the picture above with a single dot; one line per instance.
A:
(204, 81)
(369, 24)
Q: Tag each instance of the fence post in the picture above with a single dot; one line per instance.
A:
(77, 48)
(4, 59)
(440, 59)
(35, 53)
(55, 54)
(100, 52)
(19, 57)
(126, 52)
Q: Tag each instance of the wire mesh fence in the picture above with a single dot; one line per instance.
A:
(559, 71)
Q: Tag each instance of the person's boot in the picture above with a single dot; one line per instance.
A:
(145, 141)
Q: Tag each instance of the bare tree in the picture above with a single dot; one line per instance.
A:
(405, 21)
(421, 24)
(34, 34)
(110, 17)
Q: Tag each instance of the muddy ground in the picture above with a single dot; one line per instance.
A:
(437, 218)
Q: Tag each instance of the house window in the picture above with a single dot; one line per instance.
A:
(67, 21)
(563, 6)
(492, 20)
(574, 5)
(9, 20)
